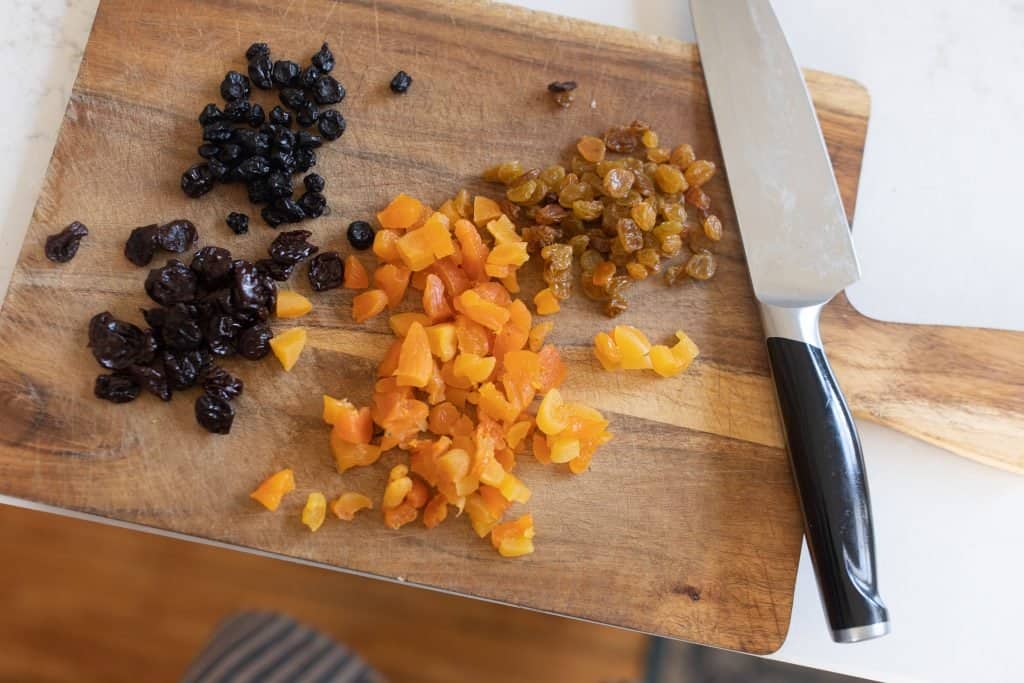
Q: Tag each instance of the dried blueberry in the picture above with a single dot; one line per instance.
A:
(360, 235)
(257, 50)
(238, 111)
(305, 139)
(283, 139)
(219, 171)
(261, 69)
(116, 344)
(213, 266)
(323, 59)
(313, 204)
(290, 209)
(214, 414)
(197, 180)
(274, 270)
(279, 184)
(208, 150)
(181, 331)
(326, 271)
(251, 141)
(314, 182)
(293, 98)
(238, 222)
(182, 369)
(229, 153)
(116, 388)
(290, 247)
(283, 160)
(62, 246)
(401, 82)
(218, 131)
(310, 75)
(176, 236)
(286, 73)
(219, 382)
(331, 124)
(254, 342)
(307, 114)
(141, 245)
(273, 217)
(305, 159)
(210, 114)
(256, 116)
(235, 86)
(327, 90)
(253, 167)
(280, 116)
(174, 283)
(256, 189)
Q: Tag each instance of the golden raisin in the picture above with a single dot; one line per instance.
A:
(579, 244)
(644, 215)
(630, 236)
(683, 156)
(558, 255)
(587, 211)
(572, 192)
(553, 175)
(590, 259)
(601, 168)
(658, 155)
(699, 172)
(622, 139)
(649, 258)
(549, 214)
(522, 193)
(667, 228)
(713, 228)
(669, 178)
(701, 265)
(698, 198)
(618, 182)
(674, 211)
(590, 148)
(675, 274)
(671, 244)
(603, 273)
(636, 271)
(649, 139)
(509, 171)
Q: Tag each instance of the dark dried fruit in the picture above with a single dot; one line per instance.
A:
(256, 116)
(116, 388)
(211, 113)
(155, 318)
(219, 382)
(279, 185)
(228, 153)
(219, 171)
(290, 247)
(273, 217)
(176, 236)
(249, 290)
(208, 150)
(213, 266)
(234, 87)
(307, 114)
(401, 82)
(561, 86)
(323, 59)
(305, 159)
(62, 247)
(280, 116)
(197, 180)
(180, 330)
(326, 271)
(313, 204)
(286, 73)
(293, 98)
(174, 283)
(238, 222)
(257, 50)
(314, 183)
(238, 111)
(290, 209)
(214, 414)
(261, 71)
(221, 332)
(253, 167)
(153, 379)
(310, 75)
(562, 92)
(182, 369)
(360, 235)
(327, 90)
(117, 345)
(622, 139)
(306, 139)
(254, 342)
(331, 124)
(274, 270)
(217, 131)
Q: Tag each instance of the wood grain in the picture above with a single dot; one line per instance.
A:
(687, 525)
(89, 602)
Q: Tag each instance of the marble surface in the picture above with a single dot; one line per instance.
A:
(940, 186)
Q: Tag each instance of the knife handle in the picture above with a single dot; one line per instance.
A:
(828, 467)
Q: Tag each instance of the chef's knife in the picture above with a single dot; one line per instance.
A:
(800, 254)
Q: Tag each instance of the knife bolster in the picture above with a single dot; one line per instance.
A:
(799, 323)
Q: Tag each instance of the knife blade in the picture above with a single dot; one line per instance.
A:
(800, 254)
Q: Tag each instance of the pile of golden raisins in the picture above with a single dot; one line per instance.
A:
(623, 205)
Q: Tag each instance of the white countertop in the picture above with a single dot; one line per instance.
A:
(941, 182)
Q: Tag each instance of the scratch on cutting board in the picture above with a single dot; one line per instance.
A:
(376, 24)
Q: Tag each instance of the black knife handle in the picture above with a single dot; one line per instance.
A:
(829, 470)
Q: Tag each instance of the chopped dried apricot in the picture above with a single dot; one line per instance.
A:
(389, 363)
(505, 258)
(485, 210)
(685, 350)
(401, 322)
(607, 352)
(438, 231)
(351, 424)
(442, 418)
(538, 333)
(473, 367)
(385, 246)
(402, 213)
(552, 369)
(315, 511)
(356, 276)
(564, 448)
(393, 281)
(476, 308)
(436, 511)
(292, 304)
(288, 345)
(517, 433)
(348, 504)
(348, 455)
(634, 347)
(551, 416)
(513, 489)
(546, 302)
(270, 492)
(443, 340)
(451, 274)
(368, 304)
(494, 404)
(664, 362)
(414, 249)
(515, 538)
(396, 518)
(504, 232)
(435, 305)
(415, 364)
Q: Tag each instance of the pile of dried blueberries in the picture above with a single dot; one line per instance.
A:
(243, 144)
(215, 307)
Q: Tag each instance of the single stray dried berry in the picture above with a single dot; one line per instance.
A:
(360, 235)
(401, 82)
(141, 245)
(234, 87)
(214, 414)
(62, 247)
(116, 388)
(257, 50)
(562, 92)
(323, 59)
(326, 271)
(238, 222)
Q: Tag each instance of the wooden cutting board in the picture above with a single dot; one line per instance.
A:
(687, 524)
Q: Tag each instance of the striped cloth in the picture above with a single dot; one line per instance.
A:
(265, 646)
